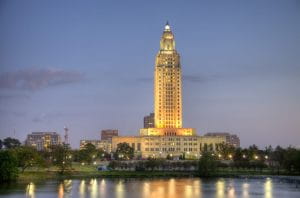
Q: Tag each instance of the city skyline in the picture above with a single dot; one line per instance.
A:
(93, 70)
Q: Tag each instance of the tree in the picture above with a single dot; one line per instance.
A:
(61, 157)
(124, 151)
(226, 150)
(291, 159)
(253, 151)
(27, 156)
(1, 144)
(207, 164)
(8, 166)
(278, 157)
(87, 154)
(240, 159)
(10, 143)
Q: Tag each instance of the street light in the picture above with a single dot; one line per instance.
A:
(266, 157)
(230, 156)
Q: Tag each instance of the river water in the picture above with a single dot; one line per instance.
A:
(154, 188)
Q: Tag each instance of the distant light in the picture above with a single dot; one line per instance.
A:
(95, 163)
(167, 27)
(266, 157)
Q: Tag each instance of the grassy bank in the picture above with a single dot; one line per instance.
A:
(43, 175)
(89, 171)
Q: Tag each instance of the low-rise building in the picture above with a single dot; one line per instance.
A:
(43, 140)
(107, 134)
(99, 144)
(231, 139)
(149, 121)
(162, 146)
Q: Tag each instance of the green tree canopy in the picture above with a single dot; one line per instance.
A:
(207, 164)
(87, 154)
(124, 151)
(28, 156)
(10, 143)
(8, 166)
(61, 156)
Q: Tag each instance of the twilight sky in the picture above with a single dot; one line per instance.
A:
(89, 65)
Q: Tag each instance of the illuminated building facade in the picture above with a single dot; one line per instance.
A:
(43, 140)
(167, 90)
(231, 139)
(168, 137)
(105, 145)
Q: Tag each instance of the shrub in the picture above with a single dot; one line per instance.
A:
(8, 166)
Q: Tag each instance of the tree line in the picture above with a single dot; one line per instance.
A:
(15, 158)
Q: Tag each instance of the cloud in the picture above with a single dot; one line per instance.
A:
(35, 79)
(47, 117)
(195, 78)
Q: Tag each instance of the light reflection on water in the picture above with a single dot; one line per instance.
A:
(30, 190)
(157, 188)
(268, 188)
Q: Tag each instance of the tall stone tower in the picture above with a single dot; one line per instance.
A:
(167, 84)
(167, 90)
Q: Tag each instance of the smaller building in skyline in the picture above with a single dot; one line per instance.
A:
(43, 140)
(149, 121)
(231, 139)
(107, 134)
(105, 145)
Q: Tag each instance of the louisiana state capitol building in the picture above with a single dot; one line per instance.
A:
(168, 136)
(167, 90)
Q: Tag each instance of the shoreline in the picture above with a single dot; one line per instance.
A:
(54, 175)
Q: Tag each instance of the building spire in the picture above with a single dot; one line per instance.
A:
(167, 26)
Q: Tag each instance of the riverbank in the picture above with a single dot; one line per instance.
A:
(33, 175)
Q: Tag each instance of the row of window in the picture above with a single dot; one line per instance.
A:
(171, 149)
(172, 143)
(173, 139)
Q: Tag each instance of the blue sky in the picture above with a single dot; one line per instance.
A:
(89, 65)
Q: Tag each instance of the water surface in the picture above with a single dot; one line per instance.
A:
(154, 188)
